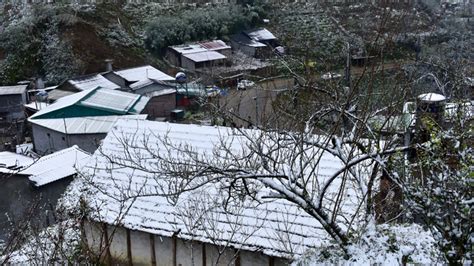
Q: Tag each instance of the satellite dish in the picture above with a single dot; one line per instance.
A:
(181, 77)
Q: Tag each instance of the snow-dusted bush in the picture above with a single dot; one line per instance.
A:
(116, 35)
(382, 244)
(440, 193)
(198, 24)
(59, 244)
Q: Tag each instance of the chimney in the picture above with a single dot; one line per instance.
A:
(108, 65)
(39, 84)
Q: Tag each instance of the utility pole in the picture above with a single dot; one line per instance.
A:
(348, 66)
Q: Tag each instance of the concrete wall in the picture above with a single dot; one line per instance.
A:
(248, 50)
(140, 248)
(11, 106)
(20, 202)
(188, 64)
(160, 106)
(47, 141)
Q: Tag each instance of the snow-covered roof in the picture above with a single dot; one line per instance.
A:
(115, 100)
(214, 45)
(146, 82)
(58, 94)
(188, 48)
(36, 106)
(261, 34)
(62, 103)
(246, 40)
(141, 73)
(274, 226)
(9, 90)
(431, 97)
(83, 125)
(12, 162)
(205, 56)
(91, 82)
(55, 166)
(160, 92)
(100, 98)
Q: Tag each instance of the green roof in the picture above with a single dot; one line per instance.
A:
(96, 102)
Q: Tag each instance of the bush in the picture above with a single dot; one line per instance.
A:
(199, 24)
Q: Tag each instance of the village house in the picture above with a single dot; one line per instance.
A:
(126, 77)
(30, 188)
(258, 43)
(196, 228)
(217, 46)
(12, 99)
(198, 56)
(83, 119)
(79, 84)
(162, 96)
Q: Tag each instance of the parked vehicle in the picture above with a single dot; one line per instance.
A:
(244, 84)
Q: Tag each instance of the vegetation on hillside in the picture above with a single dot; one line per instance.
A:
(200, 24)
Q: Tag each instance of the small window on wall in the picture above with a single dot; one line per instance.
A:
(49, 135)
(64, 139)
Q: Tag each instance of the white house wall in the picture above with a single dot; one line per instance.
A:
(119, 240)
(187, 252)
(55, 141)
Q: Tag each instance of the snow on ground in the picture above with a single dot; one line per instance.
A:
(54, 245)
(382, 245)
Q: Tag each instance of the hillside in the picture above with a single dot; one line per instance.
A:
(58, 41)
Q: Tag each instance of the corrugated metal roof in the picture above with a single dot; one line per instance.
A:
(9, 90)
(160, 92)
(245, 224)
(56, 166)
(111, 100)
(100, 98)
(11, 163)
(214, 45)
(142, 73)
(58, 94)
(147, 82)
(205, 56)
(92, 82)
(62, 103)
(83, 125)
(36, 106)
(246, 40)
(188, 48)
(139, 105)
(261, 34)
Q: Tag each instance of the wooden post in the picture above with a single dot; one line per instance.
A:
(204, 254)
(237, 259)
(108, 257)
(271, 261)
(175, 240)
(129, 247)
(152, 245)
